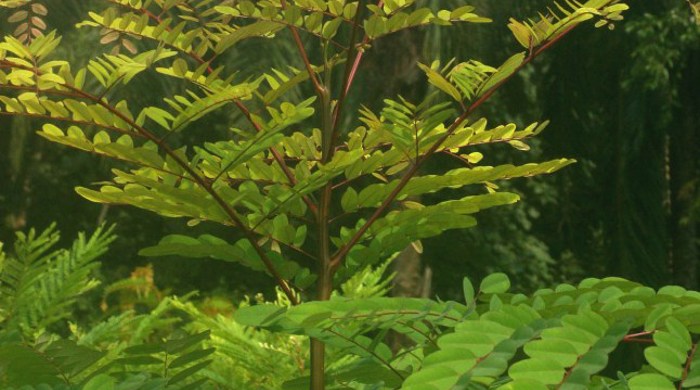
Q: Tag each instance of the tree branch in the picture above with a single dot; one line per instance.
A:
(244, 110)
(284, 285)
(201, 181)
(353, 61)
(339, 256)
(278, 157)
(318, 87)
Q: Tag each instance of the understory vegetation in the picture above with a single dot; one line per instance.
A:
(602, 333)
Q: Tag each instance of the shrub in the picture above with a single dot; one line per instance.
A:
(569, 337)
(312, 194)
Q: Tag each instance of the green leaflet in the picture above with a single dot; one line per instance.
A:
(371, 312)
(436, 79)
(596, 359)
(494, 284)
(181, 36)
(395, 18)
(190, 111)
(649, 382)
(472, 79)
(468, 289)
(554, 357)
(280, 83)
(162, 198)
(476, 348)
(232, 154)
(241, 252)
(672, 348)
(257, 29)
(503, 72)
(111, 69)
(100, 382)
(544, 371)
(665, 361)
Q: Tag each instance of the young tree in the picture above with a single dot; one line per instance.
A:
(311, 192)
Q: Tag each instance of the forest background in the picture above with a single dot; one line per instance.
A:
(630, 207)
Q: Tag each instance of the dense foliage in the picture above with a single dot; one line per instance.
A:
(301, 184)
(578, 337)
(40, 286)
(583, 221)
(150, 342)
(555, 338)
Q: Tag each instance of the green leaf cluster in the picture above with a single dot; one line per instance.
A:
(266, 175)
(554, 338)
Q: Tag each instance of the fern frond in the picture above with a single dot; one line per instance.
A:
(359, 328)
(369, 282)
(22, 271)
(68, 277)
(342, 321)
(244, 357)
(108, 332)
(38, 287)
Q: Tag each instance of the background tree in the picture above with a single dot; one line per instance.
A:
(641, 137)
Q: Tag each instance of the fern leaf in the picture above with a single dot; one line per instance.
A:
(39, 287)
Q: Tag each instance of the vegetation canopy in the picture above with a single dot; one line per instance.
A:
(314, 191)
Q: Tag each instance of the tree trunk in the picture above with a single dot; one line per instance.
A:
(411, 280)
(16, 176)
(684, 178)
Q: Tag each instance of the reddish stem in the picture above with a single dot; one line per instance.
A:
(635, 337)
(340, 255)
(686, 369)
